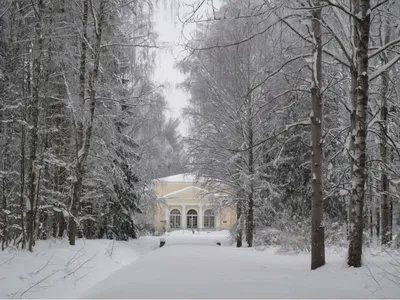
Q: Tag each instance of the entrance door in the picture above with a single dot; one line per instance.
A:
(191, 219)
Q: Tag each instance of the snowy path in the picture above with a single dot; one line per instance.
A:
(195, 267)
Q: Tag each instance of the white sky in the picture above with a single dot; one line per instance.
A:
(169, 29)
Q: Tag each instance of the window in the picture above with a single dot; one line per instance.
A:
(175, 219)
(192, 219)
(209, 219)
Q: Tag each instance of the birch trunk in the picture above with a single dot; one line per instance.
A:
(359, 172)
(353, 102)
(386, 236)
(353, 98)
(317, 227)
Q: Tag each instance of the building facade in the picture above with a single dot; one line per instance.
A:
(184, 204)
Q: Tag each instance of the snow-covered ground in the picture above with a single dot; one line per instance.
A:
(193, 266)
(57, 270)
(189, 266)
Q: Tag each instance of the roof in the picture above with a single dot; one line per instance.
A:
(184, 190)
(184, 177)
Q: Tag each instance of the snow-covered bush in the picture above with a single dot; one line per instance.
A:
(292, 234)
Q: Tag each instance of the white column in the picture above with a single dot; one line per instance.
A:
(183, 219)
(166, 217)
(200, 221)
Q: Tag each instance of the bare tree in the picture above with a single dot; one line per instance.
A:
(359, 173)
(317, 211)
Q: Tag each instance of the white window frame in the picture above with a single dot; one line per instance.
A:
(192, 219)
(175, 218)
(209, 219)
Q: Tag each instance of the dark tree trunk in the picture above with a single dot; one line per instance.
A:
(77, 186)
(83, 152)
(37, 54)
(22, 172)
(250, 212)
(239, 231)
(378, 224)
(317, 210)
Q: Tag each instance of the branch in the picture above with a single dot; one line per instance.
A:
(96, 24)
(384, 68)
(80, 266)
(379, 4)
(35, 284)
(383, 48)
(35, 9)
(241, 41)
(275, 72)
(194, 12)
(129, 45)
(287, 127)
(338, 40)
(310, 42)
(38, 271)
(342, 9)
(5, 11)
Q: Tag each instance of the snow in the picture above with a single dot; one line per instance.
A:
(301, 123)
(188, 266)
(190, 188)
(57, 270)
(193, 266)
(180, 178)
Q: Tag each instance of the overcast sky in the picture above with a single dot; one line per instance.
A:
(169, 29)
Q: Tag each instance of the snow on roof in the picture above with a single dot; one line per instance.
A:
(184, 177)
(184, 190)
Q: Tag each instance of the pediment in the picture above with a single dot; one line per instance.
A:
(187, 192)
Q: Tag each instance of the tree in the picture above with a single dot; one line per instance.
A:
(358, 189)
(76, 99)
(316, 118)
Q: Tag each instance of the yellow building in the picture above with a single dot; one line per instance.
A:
(184, 204)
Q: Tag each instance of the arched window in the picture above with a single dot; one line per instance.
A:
(209, 221)
(175, 219)
(191, 219)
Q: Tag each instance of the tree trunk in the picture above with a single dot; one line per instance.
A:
(77, 186)
(22, 171)
(37, 54)
(353, 100)
(372, 209)
(84, 151)
(359, 173)
(317, 211)
(239, 232)
(250, 192)
(378, 224)
(385, 198)
(250, 221)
